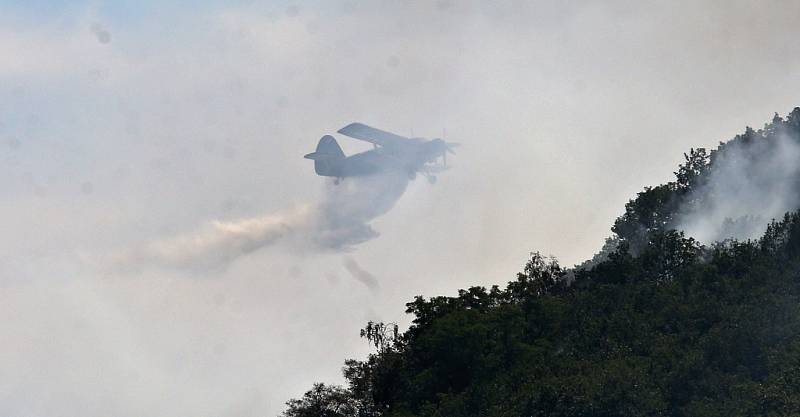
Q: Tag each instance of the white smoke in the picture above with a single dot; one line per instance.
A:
(750, 183)
(337, 223)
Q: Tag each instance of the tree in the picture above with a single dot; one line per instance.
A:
(323, 401)
(383, 336)
(693, 168)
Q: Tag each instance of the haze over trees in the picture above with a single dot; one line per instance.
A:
(657, 324)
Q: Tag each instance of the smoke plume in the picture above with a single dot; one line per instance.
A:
(751, 180)
(337, 223)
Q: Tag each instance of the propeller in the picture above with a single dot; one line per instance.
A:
(447, 148)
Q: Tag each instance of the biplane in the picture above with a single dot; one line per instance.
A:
(391, 152)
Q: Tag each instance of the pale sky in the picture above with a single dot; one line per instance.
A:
(123, 123)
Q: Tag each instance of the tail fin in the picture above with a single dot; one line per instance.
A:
(327, 148)
(327, 157)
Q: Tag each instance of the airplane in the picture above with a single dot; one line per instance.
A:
(391, 153)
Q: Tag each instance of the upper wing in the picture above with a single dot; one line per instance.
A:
(370, 134)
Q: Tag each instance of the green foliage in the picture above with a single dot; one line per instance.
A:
(323, 401)
(655, 325)
(381, 335)
(692, 170)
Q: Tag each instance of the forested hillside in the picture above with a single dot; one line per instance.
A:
(657, 324)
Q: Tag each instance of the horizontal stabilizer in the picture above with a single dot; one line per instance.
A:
(316, 155)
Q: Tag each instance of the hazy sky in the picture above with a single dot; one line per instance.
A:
(123, 123)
